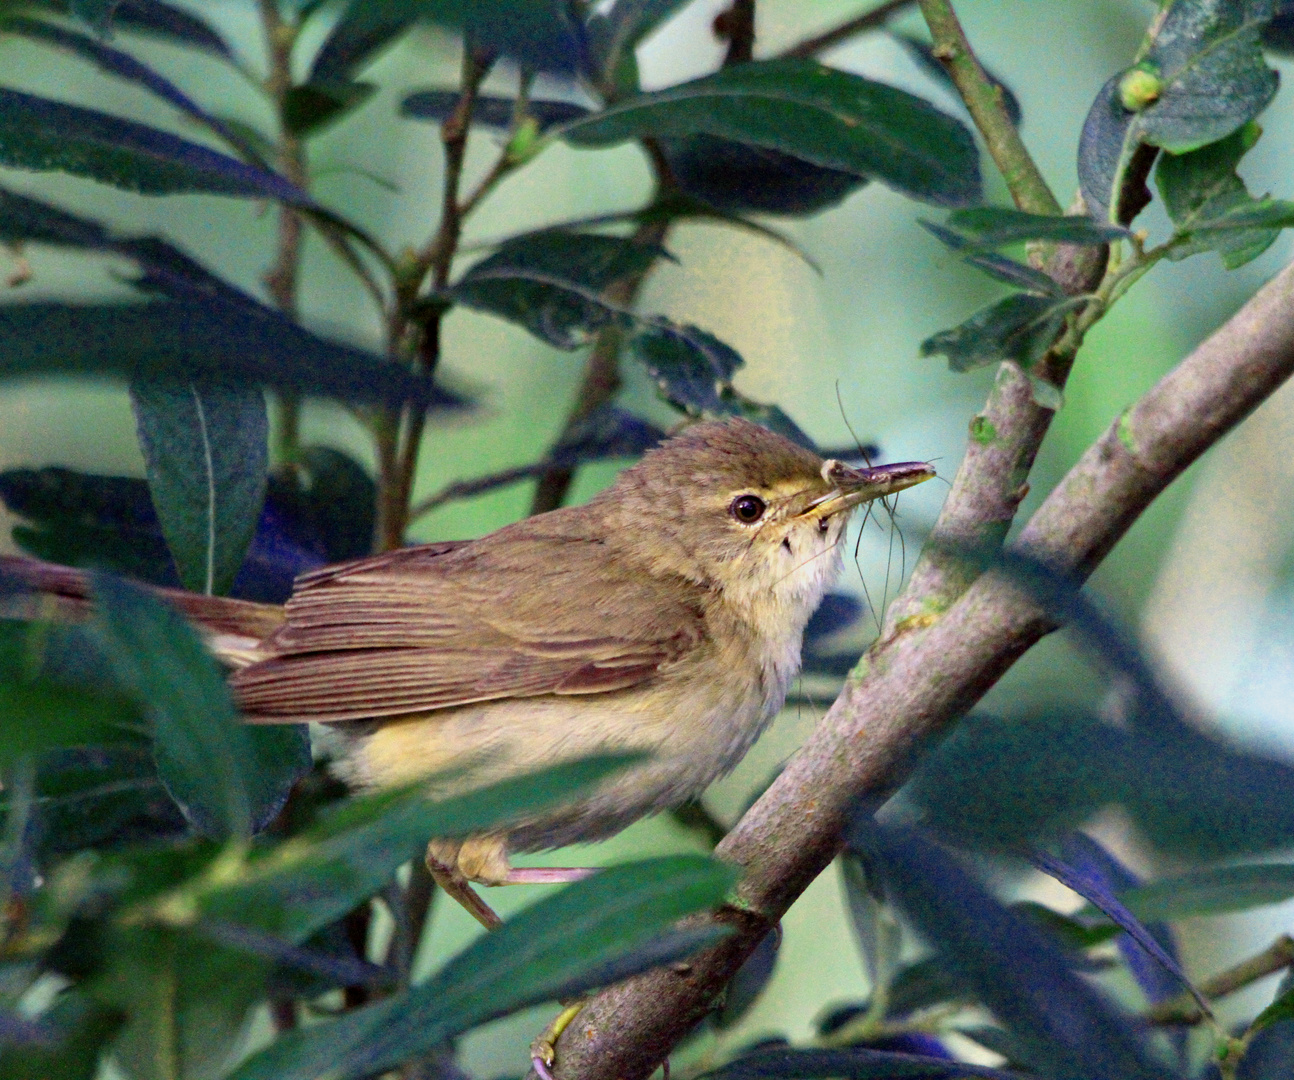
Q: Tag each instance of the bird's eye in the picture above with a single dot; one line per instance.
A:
(747, 509)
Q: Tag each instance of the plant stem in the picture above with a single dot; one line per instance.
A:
(984, 101)
(1184, 1010)
(283, 277)
(400, 433)
(601, 373)
(860, 24)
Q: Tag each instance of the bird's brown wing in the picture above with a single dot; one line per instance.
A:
(518, 614)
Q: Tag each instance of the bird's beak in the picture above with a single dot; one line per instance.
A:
(855, 486)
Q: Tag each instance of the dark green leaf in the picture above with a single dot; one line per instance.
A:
(1201, 191)
(488, 111)
(1112, 164)
(228, 779)
(543, 35)
(328, 503)
(552, 282)
(37, 133)
(1209, 60)
(206, 451)
(102, 796)
(1281, 1008)
(996, 266)
(362, 32)
(1072, 933)
(995, 226)
(1213, 891)
(856, 1063)
(295, 891)
(740, 178)
(1202, 78)
(124, 66)
(1020, 327)
(689, 365)
(42, 715)
(200, 337)
(920, 985)
(1063, 1028)
(79, 1029)
(312, 106)
(1278, 35)
(822, 116)
(1002, 784)
(1270, 1055)
(562, 945)
(187, 999)
(745, 988)
(157, 19)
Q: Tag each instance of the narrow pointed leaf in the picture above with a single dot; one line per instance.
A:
(814, 113)
(1217, 890)
(206, 451)
(562, 945)
(124, 66)
(689, 365)
(38, 133)
(294, 891)
(1019, 327)
(995, 226)
(489, 110)
(1063, 1028)
(856, 1063)
(227, 779)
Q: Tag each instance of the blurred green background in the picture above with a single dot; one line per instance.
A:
(1206, 573)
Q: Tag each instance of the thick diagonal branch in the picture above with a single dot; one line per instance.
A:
(914, 684)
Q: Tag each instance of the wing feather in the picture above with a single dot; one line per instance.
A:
(446, 625)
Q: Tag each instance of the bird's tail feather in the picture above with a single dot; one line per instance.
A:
(233, 629)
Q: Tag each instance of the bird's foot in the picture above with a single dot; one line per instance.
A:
(543, 1051)
(445, 873)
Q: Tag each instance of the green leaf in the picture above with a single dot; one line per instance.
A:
(80, 1028)
(312, 106)
(815, 113)
(206, 451)
(1203, 77)
(1214, 891)
(37, 133)
(995, 226)
(551, 282)
(562, 945)
(1208, 57)
(1204, 197)
(42, 715)
(187, 1001)
(1020, 327)
(228, 779)
(689, 365)
(201, 337)
(298, 888)
(1281, 1008)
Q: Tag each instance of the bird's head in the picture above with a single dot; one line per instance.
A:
(735, 505)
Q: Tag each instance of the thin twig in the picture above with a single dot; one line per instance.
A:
(402, 433)
(860, 24)
(282, 278)
(736, 26)
(983, 100)
(601, 372)
(914, 684)
(1184, 1010)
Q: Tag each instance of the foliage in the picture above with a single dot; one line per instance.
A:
(168, 871)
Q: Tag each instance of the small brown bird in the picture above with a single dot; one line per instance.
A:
(663, 616)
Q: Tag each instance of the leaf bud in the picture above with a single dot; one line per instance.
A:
(1140, 87)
